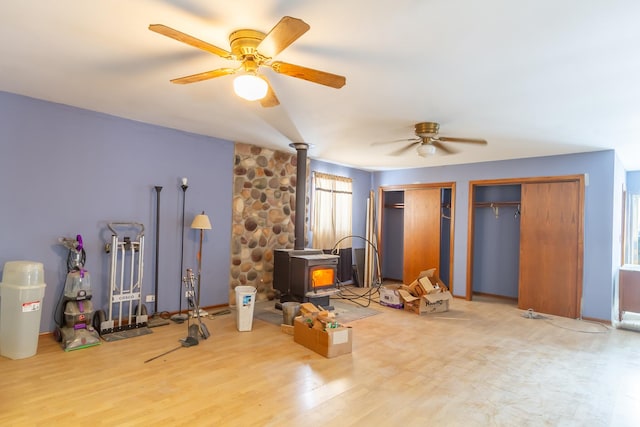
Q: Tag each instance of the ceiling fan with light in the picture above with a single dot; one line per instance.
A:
(255, 49)
(427, 141)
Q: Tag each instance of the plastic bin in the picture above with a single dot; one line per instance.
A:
(245, 301)
(21, 295)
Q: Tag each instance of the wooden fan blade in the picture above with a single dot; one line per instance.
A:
(192, 41)
(285, 32)
(406, 148)
(309, 74)
(465, 140)
(270, 99)
(441, 147)
(204, 76)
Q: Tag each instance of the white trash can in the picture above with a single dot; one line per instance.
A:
(21, 295)
(245, 300)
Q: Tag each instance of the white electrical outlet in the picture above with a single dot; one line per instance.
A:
(150, 298)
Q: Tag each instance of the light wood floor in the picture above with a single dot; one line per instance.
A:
(480, 364)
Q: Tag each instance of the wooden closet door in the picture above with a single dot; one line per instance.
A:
(550, 248)
(421, 232)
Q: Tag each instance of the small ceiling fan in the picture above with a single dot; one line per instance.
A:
(255, 49)
(427, 141)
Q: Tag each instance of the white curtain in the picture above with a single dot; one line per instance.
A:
(332, 206)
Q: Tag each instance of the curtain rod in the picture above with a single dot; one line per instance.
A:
(334, 177)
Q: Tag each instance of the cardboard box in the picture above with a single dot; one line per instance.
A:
(427, 285)
(429, 303)
(427, 273)
(329, 343)
(390, 297)
(438, 282)
(416, 289)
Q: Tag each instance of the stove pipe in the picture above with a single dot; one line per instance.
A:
(301, 195)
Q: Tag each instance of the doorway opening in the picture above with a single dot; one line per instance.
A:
(548, 242)
(415, 231)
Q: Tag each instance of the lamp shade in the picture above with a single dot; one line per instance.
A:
(250, 87)
(201, 222)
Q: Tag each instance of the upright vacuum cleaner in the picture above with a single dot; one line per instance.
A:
(74, 316)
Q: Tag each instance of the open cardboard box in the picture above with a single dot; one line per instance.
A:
(429, 285)
(429, 303)
(330, 343)
(426, 283)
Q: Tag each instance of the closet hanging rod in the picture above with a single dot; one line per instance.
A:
(394, 205)
(494, 204)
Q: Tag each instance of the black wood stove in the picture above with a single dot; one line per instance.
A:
(307, 275)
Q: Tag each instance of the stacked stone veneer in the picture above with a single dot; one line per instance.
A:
(264, 200)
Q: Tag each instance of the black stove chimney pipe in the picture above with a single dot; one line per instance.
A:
(301, 195)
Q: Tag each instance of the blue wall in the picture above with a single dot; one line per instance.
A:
(393, 244)
(66, 171)
(496, 242)
(633, 182)
(599, 212)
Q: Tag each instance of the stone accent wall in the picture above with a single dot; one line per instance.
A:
(263, 217)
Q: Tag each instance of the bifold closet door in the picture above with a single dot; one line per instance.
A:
(421, 231)
(550, 248)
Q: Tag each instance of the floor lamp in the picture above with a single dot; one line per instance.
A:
(200, 222)
(180, 317)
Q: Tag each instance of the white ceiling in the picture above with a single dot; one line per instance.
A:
(533, 78)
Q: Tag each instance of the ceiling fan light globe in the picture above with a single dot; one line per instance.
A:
(250, 87)
(426, 150)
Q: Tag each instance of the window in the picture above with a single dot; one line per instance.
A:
(633, 227)
(332, 206)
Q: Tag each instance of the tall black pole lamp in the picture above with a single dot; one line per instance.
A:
(156, 319)
(155, 300)
(180, 316)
